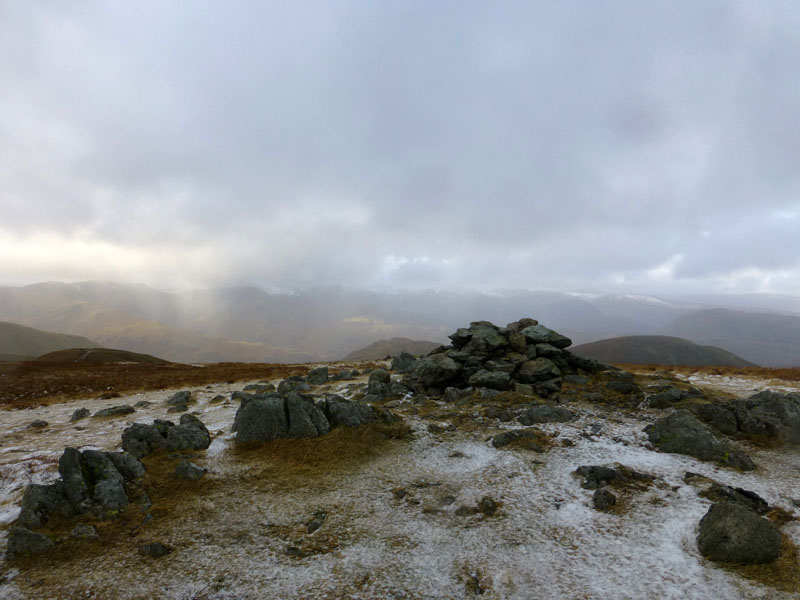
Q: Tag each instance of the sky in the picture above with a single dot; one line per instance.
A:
(616, 146)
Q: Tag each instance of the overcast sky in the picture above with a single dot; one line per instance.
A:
(591, 145)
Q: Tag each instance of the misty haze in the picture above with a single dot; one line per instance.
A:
(399, 300)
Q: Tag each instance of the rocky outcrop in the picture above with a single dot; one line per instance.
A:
(115, 411)
(768, 416)
(317, 376)
(730, 532)
(483, 355)
(191, 434)
(92, 482)
(681, 433)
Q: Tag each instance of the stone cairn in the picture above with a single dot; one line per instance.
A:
(523, 356)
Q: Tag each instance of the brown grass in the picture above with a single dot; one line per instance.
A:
(29, 384)
(782, 574)
(786, 374)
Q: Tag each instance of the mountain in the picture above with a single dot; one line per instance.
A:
(659, 350)
(391, 347)
(18, 342)
(765, 338)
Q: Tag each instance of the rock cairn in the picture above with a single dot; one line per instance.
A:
(523, 356)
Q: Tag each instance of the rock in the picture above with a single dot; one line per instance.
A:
(75, 473)
(261, 420)
(380, 375)
(39, 502)
(545, 413)
(539, 334)
(82, 531)
(403, 362)
(548, 351)
(115, 411)
(495, 380)
(345, 374)
(487, 506)
(24, 542)
(127, 465)
(259, 388)
(723, 493)
(108, 489)
(189, 471)
(598, 476)
(524, 388)
(626, 388)
(140, 439)
(517, 341)
(38, 424)
(721, 418)
(80, 413)
(732, 533)
(317, 376)
(305, 418)
(603, 499)
(316, 521)
(454, 394)
(573, 379)
(681, 433)
(485, 339)
(666, 398)
(142, 404)
(538, 369)
(342, 413)
(154, 549)
(771, 415)
(435, 370)
(181, 398)
(531, 437)
(293, 384)
(217, 399)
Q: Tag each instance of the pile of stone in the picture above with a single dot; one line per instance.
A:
(523, 356)
(191, 434)
(92, 483)
(288, 412)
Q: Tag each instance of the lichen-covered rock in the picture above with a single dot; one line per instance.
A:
(403, 362)
(294, 383)
(24, 542)
(545, 413)
(342, 413)
(538, 369)
(108, 485)
(435, 370)
(681, 433)
(78, 414)
(75, 473)
(539, 334)
(40, 502)
(731, 533)
(115, 411)
(305, 418)
(317, 376)
(494, 380)
(140, 439)
(603, 499)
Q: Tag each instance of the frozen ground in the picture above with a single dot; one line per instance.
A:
(546, 541)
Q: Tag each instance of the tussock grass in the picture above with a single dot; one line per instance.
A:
(782, 574)
(306, 460)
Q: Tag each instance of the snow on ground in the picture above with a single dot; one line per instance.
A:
(546, 541)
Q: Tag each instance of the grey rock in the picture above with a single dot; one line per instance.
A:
(380, 375)
(598, 476)
(666, 398)
(305, 418)
(576, 379)
(454, 394)
(504, 439)
(108, 492)
(626, 388)
(539, 334)
(75, 473)
(771, 415)
(142, 404)
(731, 533)
(538, 369)
(140, 440)
(189, 471)
(154, 549)
(722, 418)
(38, 424)
(181, 398)
(517, 341)
(487, 506)
(127, 465)
(24, 542)
(461, 337)
(115, 411)
(293, 384)
(525, 389)
(342, 413)
(681, 433)
(80, 413)
(495, 380)
(486, 338)
(435, 370)
(39, 502)
(259, 388)
(178, 408)
(546, 413)
(262, 420)
(317, 376)
(404, 362)
(603, 499)
(548, 351)
(82, 531)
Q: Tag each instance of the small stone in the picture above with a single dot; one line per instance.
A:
(189, 471)
(80, 413)
(115, 411)
(84, 532)
(154, 549)
(399, 492)
(38, 424)
(316, 521)
(487, 506)
(142, 404)
(603, 499)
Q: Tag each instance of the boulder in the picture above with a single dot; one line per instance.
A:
(140, 439)
(342, 413)
(40, 502)
(108, 485)
(403, 362)
(317, 376)
(435, 370)
(731, 533)
(80, 413)
(722, 418)
(261, 420)
(495, 380)
(539, 334)
(180, 398)
(485, 339)
(115, 411)
(189, 471)
(305, 418)
(771, 415)
(75, 473)
(603, 499)
(681, 433)
(545, 413)
(24, 542)
(293, 384)
(666, 398)
(538, 369)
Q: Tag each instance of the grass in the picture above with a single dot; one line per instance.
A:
(784, 373)
(782, 574)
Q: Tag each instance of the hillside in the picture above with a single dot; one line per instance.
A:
(659, 350)
(768, 339)
(391, 347)
(100, 355)
(18, 342)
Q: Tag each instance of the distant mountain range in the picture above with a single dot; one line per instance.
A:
(250, 324)
(18, 342)
(99, 355)
(391, 347)
(659, 350)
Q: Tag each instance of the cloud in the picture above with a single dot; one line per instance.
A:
(455, 144)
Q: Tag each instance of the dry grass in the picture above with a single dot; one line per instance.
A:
(305, 461)
(29, 384)
(786, 374)
(782, 574)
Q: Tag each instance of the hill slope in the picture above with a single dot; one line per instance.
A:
(100, 355)
(659, 350)
(391, 347)
(767, 339)
(19, 341)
